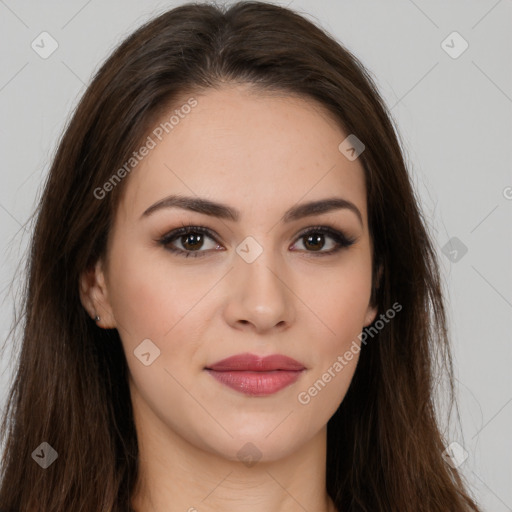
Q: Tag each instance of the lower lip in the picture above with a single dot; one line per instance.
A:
(257, 383)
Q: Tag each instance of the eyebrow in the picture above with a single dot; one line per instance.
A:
(223, 211)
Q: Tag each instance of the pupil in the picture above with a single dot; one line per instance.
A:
(195, 243)
(314, 239)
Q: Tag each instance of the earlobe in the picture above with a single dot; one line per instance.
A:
(371, 313)
(94, 296)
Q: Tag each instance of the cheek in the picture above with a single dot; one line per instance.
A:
(336, 347)
(148, 300)
(340, 300)
(155, 315)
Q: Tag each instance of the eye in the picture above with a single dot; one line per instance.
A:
(192, 240)
(314, 239)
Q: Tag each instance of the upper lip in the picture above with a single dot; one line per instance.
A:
(252, 362)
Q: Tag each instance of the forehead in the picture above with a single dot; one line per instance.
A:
(257, 151)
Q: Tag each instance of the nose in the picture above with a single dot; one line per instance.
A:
(260, 298)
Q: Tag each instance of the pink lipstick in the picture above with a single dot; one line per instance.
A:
(256, 375)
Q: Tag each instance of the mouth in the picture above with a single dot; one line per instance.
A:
(256, 376)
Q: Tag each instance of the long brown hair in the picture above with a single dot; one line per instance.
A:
(384, 449)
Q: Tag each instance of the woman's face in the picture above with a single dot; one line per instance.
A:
(258, 278)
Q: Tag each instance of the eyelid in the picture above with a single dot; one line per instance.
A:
(342, 240)
(339, 236)
(185, 229)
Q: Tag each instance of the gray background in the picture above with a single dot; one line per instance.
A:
(454, 117)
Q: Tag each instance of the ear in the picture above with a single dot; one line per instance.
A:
(371, 312)
(94, 295)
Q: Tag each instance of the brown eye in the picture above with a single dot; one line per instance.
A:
(314, 240)
(191, 239)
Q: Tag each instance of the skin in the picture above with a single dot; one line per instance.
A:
(260, 154)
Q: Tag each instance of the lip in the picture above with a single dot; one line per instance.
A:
(255, 375)
(254, 363)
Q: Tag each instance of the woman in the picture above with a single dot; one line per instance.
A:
(233, 301)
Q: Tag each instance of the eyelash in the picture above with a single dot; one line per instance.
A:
(340, 238)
